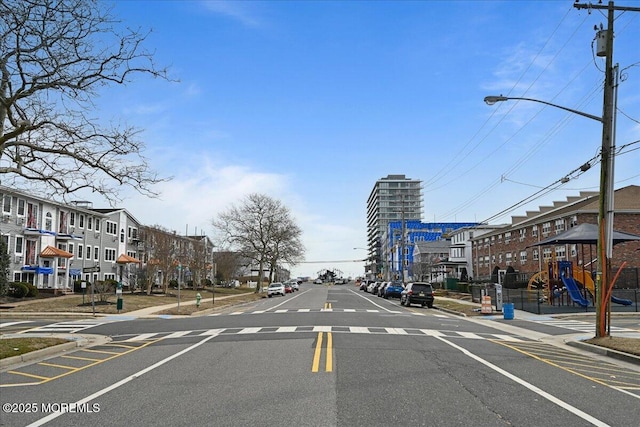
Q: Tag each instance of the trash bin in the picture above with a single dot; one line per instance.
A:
(507, 310)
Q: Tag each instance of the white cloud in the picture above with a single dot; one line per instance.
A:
(239, 11)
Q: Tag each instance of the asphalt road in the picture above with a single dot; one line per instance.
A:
(323, 357)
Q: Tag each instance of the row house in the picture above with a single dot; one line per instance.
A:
(52, 244)
(513, 245)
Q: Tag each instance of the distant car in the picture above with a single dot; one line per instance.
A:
(318, 282)
(393, 290)
(288, 289)
(276, 288)
(417, 293)
(375, 288)
(295, 286)
(363, 285)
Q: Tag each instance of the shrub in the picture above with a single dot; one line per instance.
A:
(18, 290)
(32, 290)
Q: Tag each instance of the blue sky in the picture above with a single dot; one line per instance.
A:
(311, 102)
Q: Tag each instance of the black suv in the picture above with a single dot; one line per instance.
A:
(417, 293)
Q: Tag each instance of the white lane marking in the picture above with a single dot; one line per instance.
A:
(507, 338)
(590, 419)
(4, 325)
(287, 329)
(367, 299)
(304, 310)
(349, 310)
(281, 311)
(178, 334)
(432, 332)
(396, 331)
(322, 329)
(470, 335)
(287, 300)
(249, 331)
(213, 332)
(141, 337)
(122, 382)
(359, 330)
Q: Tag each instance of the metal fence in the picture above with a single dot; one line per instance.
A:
(535, 301)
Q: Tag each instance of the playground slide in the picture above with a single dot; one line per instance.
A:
(574, 291)
(582, 274)
(621, 300)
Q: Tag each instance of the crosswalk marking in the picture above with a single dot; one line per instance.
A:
(69, 327)
(5, 325)
(578, 325)
(329, 309)
(323, 328)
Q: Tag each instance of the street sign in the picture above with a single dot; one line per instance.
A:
(95, 269)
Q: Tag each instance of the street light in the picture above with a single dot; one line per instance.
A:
(605, 211)
(490, 100)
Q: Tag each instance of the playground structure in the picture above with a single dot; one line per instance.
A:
(562, 277)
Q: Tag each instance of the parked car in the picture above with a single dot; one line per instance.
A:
(318, 282)
(275, 288)
(417, 293)
(288, 289)
(393, 290)
(381, 289)
(295, 286)
(374, 290)
(370, 287)
(363, 285)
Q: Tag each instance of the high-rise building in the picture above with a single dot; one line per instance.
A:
(394, 198)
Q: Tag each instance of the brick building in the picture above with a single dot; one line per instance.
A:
(511, 245)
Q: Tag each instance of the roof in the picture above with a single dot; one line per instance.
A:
(126, 259)
(51, 252)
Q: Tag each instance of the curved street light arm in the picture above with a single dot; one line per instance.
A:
(490, 100)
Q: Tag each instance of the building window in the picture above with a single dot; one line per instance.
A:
(508, 258)
(21, 207)
(97, 224)
(546, 254)
(72, 219)
(560, 225)
(80, 251)
(573, 221)
(561, 253)
(70, 248)
(81, 221)
(89, 223)
(507, 237)
(574, 250)
(534, 231)
(112, 228)
(6, 204)
(19, 245)
(523, 257)
(523, 234)
(48, 222)
(546, 228)
(536, 255)
(109, 254)
(88, 252)
(96, 253)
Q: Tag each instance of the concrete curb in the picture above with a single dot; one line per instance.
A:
(75, 341)
(614, 354)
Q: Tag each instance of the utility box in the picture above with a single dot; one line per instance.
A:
(601, 43)
(498, 297)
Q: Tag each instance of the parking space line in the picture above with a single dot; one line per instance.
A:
(39, 377)
(92, 362)
(54, 365)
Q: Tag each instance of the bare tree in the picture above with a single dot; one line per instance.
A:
(161, 255)
(256, 229)
(55, 56)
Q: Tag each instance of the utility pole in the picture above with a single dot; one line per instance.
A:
(605, 205)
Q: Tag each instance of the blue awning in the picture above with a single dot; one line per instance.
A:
(37, 269)
(75, 272)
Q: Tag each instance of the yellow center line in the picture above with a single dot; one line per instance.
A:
(316, 355)
(329, 361)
